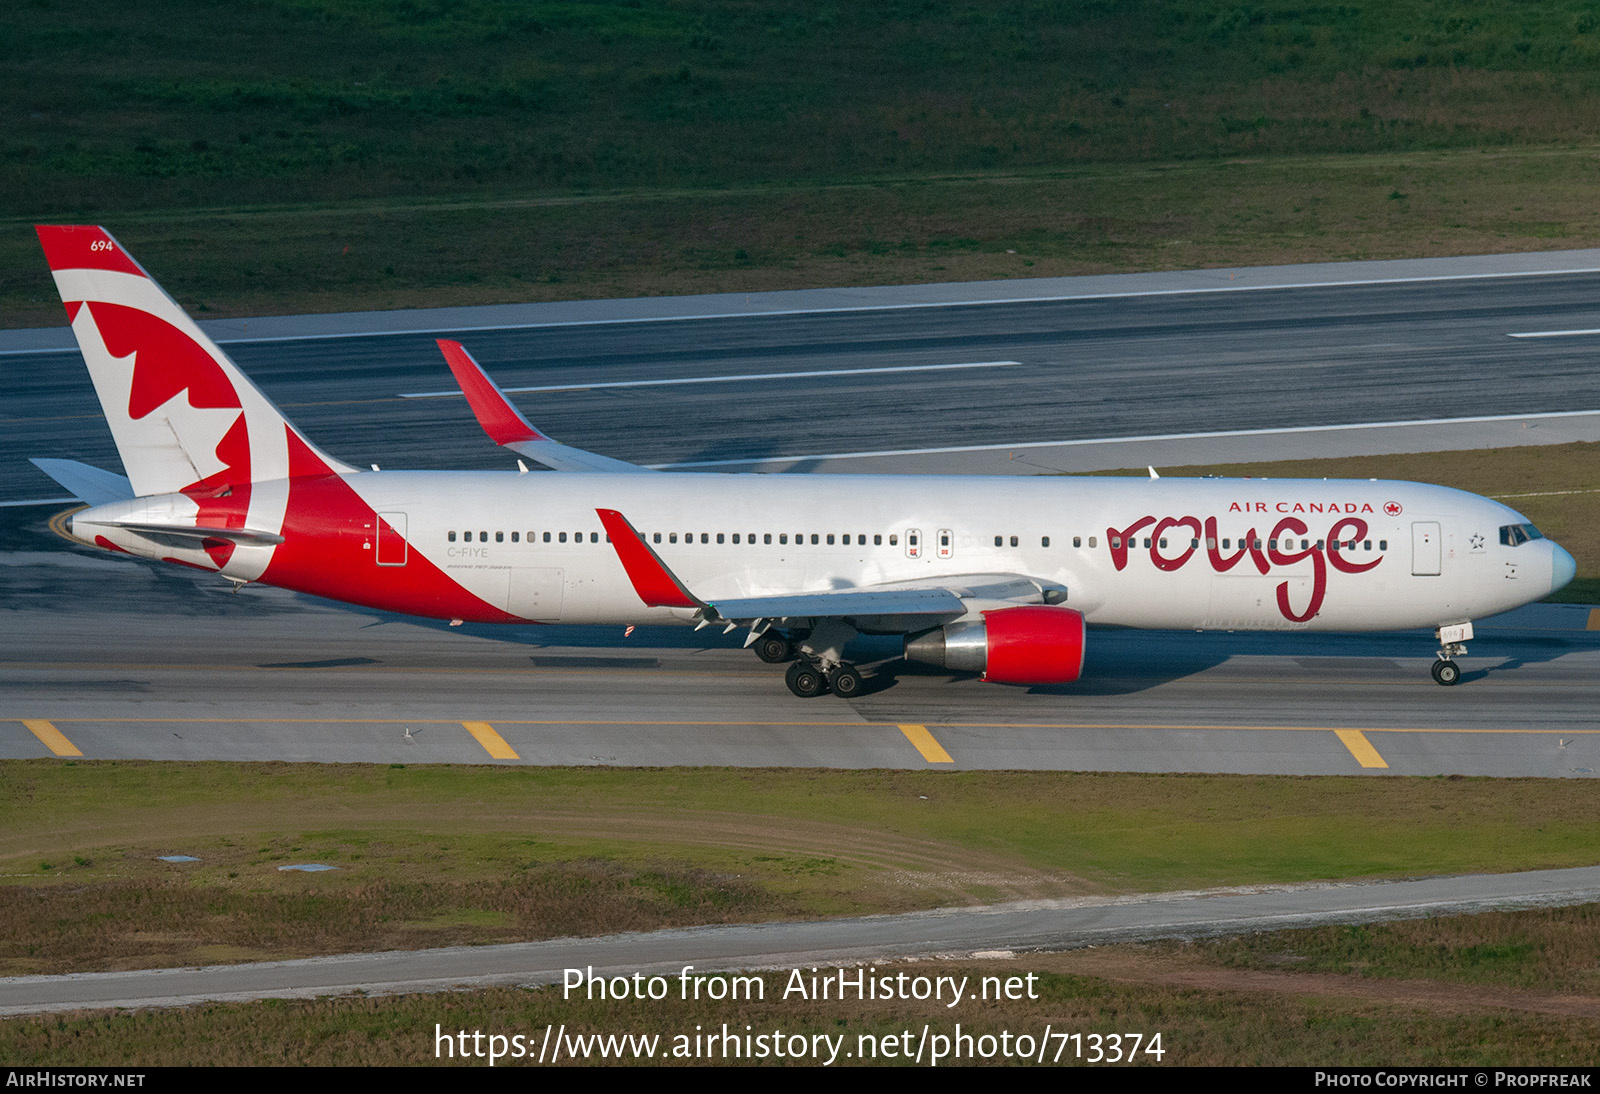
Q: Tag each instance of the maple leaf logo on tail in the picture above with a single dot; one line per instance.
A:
(185, 419)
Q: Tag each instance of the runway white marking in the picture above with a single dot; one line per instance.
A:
(1030, 445)
(738, 378)
(1552, 333)
(829, 309)
(914, 305)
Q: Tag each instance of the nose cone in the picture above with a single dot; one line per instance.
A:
(1562, 568)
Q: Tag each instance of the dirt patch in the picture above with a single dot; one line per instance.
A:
(1184, 971)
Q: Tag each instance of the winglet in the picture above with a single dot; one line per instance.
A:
(507, 427)
(503, 422)
(655, 584)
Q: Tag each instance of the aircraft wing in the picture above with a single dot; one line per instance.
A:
(938, 599)
(509, 429)
(840, 604)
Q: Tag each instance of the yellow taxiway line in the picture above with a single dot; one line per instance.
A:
(494, 744)
(51, 737)
(923, 741)
(777, 723)
(1360, 747)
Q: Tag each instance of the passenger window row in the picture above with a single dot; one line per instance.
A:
(859, 539)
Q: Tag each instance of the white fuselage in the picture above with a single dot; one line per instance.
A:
(1347, 555)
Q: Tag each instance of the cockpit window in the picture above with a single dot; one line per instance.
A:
(1514, 535)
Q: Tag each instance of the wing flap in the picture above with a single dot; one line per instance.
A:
(841, 604)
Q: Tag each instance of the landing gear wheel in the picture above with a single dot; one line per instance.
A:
(805, 680)
(774, 648)
(1446, 673)
(845, 681)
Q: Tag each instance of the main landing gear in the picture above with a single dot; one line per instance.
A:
(808, 680)
(816, 665)
(1452, 644)
(774, 648)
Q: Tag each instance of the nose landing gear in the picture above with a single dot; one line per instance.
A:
(1452, 644)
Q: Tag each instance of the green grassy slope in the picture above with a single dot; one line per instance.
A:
(295, 154)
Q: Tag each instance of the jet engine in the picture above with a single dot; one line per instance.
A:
(1023, 645)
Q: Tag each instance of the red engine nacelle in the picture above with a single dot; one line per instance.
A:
(1024, 645)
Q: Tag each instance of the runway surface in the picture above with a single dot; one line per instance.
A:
(1100, 367)
(964, 933)
(112, 658)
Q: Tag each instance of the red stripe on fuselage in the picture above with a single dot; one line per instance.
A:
(330, 547)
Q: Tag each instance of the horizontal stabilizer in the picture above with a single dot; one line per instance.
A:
(188, 534)
(506, 426)
(86, 483)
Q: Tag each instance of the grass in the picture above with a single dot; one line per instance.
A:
(1210, 1005)
(451, 855)
(1554, 950)
(190, 102)
(349, 254)
(479, 151)
(1557, 487)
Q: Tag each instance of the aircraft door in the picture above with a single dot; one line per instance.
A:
(913, 542)
(536, 592)
(947, 543)
(1425, 548)
(391, 540)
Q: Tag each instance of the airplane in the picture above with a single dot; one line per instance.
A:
(995, 576)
